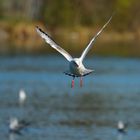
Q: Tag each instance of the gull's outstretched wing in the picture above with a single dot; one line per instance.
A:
(92, 40)
(53, 44)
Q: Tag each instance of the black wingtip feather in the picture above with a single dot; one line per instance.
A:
(38, 28)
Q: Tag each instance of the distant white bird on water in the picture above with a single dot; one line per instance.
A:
(121, 127)
(16, 126)
(22, 97)
(76, 67)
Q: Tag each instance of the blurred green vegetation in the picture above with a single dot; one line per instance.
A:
(71, 22)
(69, 13)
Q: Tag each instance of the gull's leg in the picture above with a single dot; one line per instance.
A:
(72, 83)
(81, 81)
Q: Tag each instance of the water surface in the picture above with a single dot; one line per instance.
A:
(58, 112)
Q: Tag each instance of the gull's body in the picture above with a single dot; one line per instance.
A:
(76, 67)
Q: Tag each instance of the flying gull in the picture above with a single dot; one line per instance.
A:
(76, 67)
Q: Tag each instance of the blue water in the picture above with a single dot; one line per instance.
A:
(56, 111)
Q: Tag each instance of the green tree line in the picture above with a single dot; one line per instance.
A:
(70, 13)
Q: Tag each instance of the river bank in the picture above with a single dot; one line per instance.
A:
(22, 38)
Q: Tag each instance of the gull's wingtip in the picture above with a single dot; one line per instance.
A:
(112, 15)
(37, 27)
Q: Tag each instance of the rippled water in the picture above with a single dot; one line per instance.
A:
(57, 112)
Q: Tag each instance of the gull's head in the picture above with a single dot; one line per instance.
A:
(76, 62)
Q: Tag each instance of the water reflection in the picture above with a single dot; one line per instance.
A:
(12, 136)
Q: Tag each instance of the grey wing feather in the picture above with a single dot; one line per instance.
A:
(92, 40)
(53, 44)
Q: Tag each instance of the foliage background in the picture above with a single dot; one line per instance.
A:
(66, 20)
